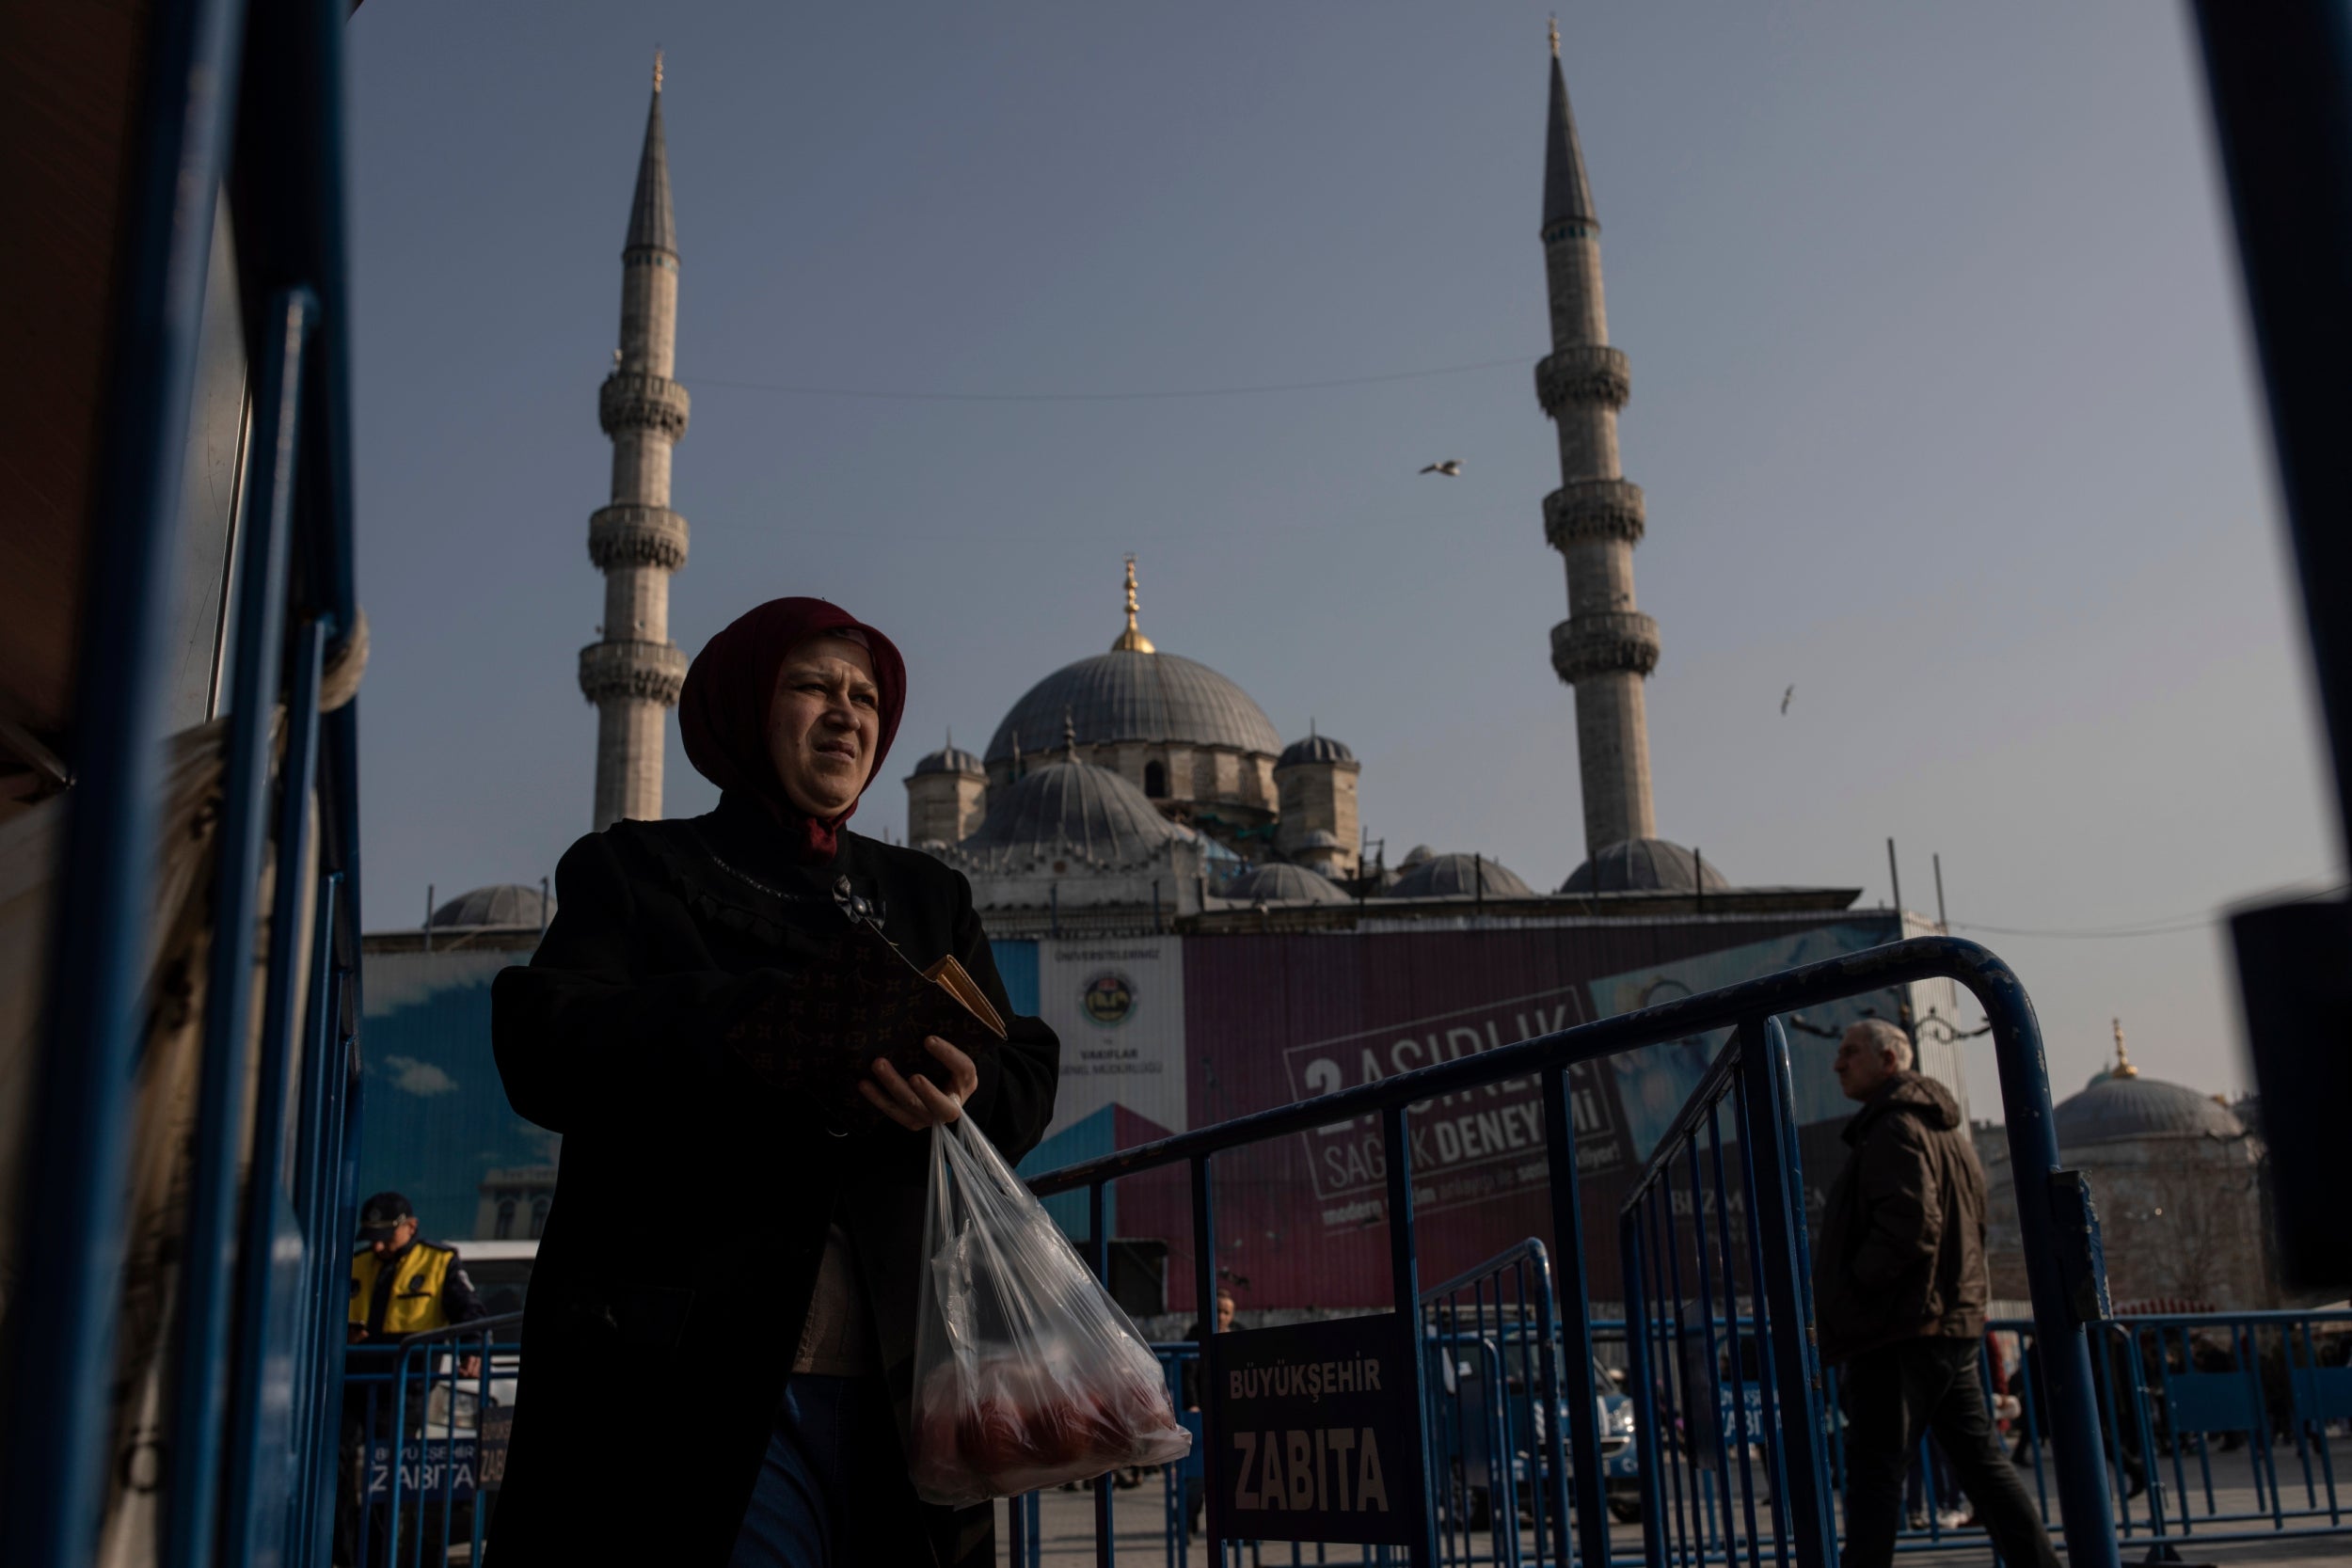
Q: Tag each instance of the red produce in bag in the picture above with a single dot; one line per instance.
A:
(1027, 1373)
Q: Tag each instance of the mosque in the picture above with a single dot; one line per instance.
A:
(1186, 897)
(1139, 779)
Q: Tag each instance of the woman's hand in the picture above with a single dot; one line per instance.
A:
(917, 1102)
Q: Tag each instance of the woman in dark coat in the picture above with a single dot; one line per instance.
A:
(719, 1343)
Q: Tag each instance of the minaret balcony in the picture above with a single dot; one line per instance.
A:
(632, 672)
(1594, 511)
(629, 533)
(1609, 642)
(632, 400)
(1583, 374)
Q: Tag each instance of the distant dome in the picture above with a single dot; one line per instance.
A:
(1414, 856)
(951, 759)
(1072, 809)
(1278, 883)
(1456, 877)
(1643, 866)
(1315, 748)
(505, 906)
(2137, 1107)
(1130, 696)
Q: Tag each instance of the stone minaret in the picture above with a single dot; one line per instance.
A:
(634, 674)
(1605, 648)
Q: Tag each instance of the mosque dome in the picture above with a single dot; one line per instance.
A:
(1643, 865)
(1075, 810)
(948, 759)
(2119, 1104)
(1315, 748)
(504, 906)
(1458, 877)
(1280, 883)
(1414, 856)
(1127, 694)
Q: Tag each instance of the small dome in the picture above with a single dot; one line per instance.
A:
(504, 907)
(1414, 856)
(1129, 695)
(2134, 1107)
(1074, 810)
(1315, 748)
(1278, 883)
(1321, 838)
(950, 759)
(1456, 877)
(1643, 865)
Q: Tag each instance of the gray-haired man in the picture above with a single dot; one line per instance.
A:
(1899, 1291)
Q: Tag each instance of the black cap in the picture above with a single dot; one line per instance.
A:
(381, 1213)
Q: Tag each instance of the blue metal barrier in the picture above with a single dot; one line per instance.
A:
(254, 1356)
(1789, 1489)
(422, 1444)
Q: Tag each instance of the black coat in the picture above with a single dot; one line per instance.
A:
(1902, 1238)
(692, 1201)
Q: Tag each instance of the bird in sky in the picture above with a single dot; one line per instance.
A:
(1784, 700)
(1450, 468)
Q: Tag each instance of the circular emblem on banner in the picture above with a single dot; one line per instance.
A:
(1109, 999)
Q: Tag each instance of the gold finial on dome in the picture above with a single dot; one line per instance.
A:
(1555, 35)
(657, 67)
(2124, 1067)
(1132, 641)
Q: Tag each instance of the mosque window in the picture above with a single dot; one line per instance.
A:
(1156, 780)
(538, 1216)
(504, 1229)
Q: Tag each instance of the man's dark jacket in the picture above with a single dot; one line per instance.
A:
(692, 1202)
(1903, 1243)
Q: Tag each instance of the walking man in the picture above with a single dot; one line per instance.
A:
(1901, 1289)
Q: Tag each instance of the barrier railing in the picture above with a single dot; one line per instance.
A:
(1719, 1323)
(423, 1445)
(1790, 1491)
(2247, 1416)
(241, 99)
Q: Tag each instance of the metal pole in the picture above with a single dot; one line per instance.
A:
(1576, 1328)
(1941, 923)
(266, 1191)
(61, 1336)
(1405, 1281)
(313, 1142)
(1894, 875)
(1643, 1392)
(1769, 1132)
(1204, 1303)
(2065, 1352)
(201, 1382)
(1098, 1257)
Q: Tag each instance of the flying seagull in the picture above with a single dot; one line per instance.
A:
(1783, 699)
(1450, 468)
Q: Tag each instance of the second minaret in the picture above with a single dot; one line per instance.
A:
(634, 674)
(1606, 648)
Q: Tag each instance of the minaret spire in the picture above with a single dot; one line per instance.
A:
(1132, 641)
(1606, 648)
(634, 674)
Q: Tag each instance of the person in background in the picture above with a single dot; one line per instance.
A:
(401, 1284)
(1196, 1496)
(1899, 1290)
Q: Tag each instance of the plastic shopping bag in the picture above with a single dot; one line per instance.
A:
(1027, 1373)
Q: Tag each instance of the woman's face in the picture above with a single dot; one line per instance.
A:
(824, 724)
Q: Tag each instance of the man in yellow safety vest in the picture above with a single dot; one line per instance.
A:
(401, 1284)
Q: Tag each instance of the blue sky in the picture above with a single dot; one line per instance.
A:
(1942, 404)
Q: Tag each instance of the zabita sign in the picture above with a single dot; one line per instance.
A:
(1312, 1433)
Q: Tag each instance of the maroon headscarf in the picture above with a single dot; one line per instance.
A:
(723, 711)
